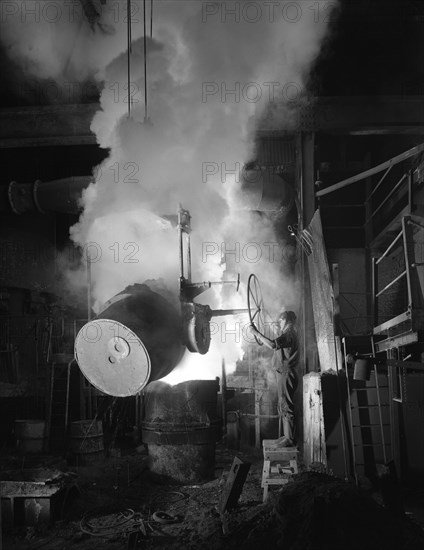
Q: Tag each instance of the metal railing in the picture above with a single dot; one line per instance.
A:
(400, 189)
(412, 291)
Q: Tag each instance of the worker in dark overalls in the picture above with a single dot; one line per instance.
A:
(285, 361)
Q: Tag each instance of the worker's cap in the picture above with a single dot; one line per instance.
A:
(289, 316)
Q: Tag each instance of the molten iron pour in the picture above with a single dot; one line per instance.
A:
(139, 336)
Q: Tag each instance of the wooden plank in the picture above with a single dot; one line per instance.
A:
(275, 481)
(313, 420)
(322, 299)
(234, 485)
(279, 454)
(336, 289)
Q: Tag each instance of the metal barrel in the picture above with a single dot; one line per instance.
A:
(361, 370)
(181, 428)
(135, 339)
(86, 443)
(30, 435)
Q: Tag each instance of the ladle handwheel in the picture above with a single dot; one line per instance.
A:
(255, 305)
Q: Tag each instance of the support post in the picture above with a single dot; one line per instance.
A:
(258, 397)
(406, 232)
(306, 207)
(313, 420)
(392, 409)
(374, 311)
(224, 395)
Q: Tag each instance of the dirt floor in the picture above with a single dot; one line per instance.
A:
(120, 501)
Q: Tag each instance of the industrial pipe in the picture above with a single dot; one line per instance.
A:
(62, 195)
(265, 191)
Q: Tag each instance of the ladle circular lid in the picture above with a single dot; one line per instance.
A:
(112, 357)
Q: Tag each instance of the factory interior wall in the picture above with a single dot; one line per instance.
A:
(27, 245)
(353, 288)
(410, 416)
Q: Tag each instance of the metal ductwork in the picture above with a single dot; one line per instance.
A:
(265, 191)
(60, 196)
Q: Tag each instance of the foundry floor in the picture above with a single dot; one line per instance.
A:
(114, 485)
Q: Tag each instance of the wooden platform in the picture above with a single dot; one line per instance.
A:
(279, 464)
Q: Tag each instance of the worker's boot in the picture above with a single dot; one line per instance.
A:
(288, 429)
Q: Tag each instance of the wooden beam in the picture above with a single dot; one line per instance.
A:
(234, 485)
(314, 449)
(47, 125)
(52, 141)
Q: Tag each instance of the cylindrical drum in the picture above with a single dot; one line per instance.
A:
(86, 444)
(30, 435)
(134, 340)
(265, 191)
(362, 370)
(181, 429)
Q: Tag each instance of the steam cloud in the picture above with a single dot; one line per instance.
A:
(200, 52)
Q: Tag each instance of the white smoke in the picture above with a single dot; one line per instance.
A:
(212, 70)
(60, 40)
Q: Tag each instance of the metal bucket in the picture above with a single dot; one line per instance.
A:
(134, 340)
(30, 435)
(362, 370)
(86, 444)
(181, 429)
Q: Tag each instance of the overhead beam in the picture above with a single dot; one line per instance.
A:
(47, 141)
(47, 125)
(362, 115)
(347, 115)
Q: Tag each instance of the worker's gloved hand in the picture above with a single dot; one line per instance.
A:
(350, 359)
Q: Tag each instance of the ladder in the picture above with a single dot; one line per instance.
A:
(368, 416)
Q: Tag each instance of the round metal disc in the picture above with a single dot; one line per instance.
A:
(112, 357)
